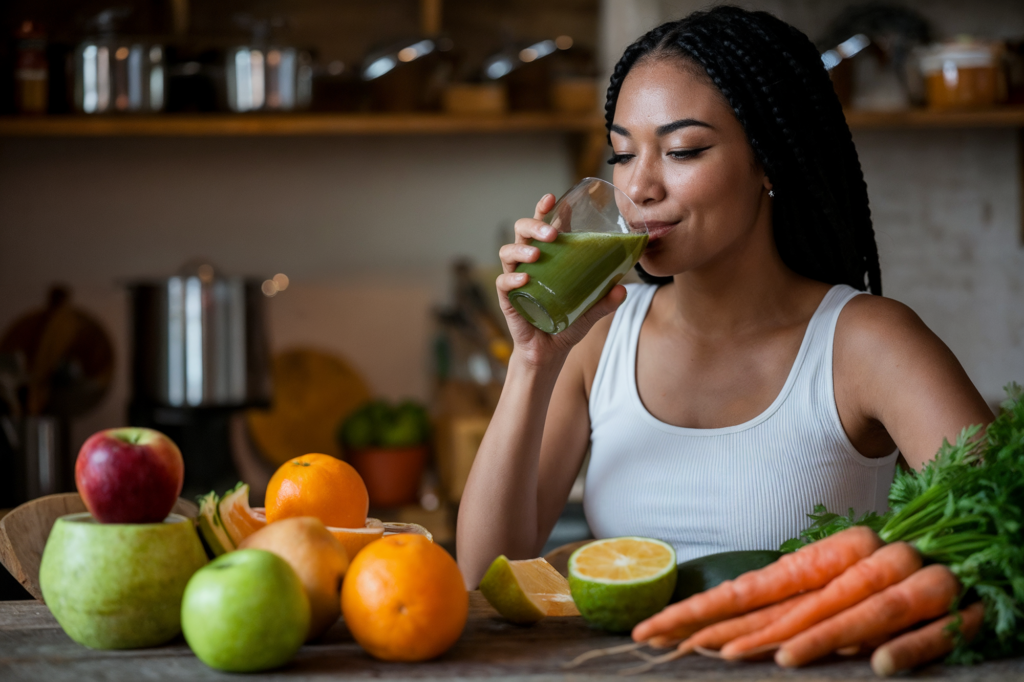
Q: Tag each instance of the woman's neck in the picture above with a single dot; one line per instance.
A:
(742, 292)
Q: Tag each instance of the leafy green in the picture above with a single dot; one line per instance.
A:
(826, 523)
(964, 509)
(378, 424)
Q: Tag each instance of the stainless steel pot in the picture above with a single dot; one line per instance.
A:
(268, 79)
(118, 74)
(199, 340)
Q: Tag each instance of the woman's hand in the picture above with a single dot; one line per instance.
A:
(534, 346)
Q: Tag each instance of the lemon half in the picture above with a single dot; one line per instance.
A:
(618, 582)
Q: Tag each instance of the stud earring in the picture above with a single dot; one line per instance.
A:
(771, 193)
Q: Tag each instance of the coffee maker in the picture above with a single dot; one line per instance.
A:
(199, 355)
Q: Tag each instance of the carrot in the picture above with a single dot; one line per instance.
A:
(867, 645)
(808, 568)
(888, 566)
(723, 632)
(926, 594)
(927, 644)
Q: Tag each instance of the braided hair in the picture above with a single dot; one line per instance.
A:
(772, 76)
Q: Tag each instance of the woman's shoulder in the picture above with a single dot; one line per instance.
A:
(867, 321)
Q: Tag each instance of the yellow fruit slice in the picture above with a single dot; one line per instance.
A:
(526, 591)
(240, 521)
(354, 539)
(621, 560)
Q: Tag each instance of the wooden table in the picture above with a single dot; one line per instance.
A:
(33, 647)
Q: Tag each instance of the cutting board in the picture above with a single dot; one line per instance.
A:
(313, 392)
(24, 531)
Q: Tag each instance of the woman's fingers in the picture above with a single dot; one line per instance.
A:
(511, 280)
(531, 228)
(546, 203)
(512, 255)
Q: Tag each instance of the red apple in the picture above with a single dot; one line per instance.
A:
(129, 475)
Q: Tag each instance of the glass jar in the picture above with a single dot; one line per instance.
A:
(963, 75)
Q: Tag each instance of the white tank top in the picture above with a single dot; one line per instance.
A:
(748, 486)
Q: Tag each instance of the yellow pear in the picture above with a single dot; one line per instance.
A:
(317, 557)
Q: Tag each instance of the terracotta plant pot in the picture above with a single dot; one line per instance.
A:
(392, 475)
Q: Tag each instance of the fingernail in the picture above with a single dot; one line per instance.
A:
(548, 231)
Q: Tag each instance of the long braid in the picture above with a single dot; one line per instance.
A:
(772, 76)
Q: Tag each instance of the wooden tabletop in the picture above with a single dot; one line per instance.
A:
(33, 647)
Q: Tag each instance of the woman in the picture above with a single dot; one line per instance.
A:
(748, 381)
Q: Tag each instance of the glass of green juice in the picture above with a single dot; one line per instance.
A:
(601, 235)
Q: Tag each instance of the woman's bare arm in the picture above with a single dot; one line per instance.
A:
(538, 436)
(897, 382)
(524, 468)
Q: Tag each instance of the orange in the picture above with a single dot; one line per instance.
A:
(404, 599)
(320, 486)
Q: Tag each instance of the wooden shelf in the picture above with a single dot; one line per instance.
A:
(1000, 117)
(183, 125)
(586, 131)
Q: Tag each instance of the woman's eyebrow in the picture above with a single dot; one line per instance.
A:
(661, 131)
(681, 123)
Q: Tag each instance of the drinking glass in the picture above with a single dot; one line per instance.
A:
(601, 235)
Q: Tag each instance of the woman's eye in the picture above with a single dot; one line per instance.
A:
(619, 158)
(687, 153)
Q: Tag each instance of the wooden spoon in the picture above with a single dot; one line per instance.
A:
(24, 531)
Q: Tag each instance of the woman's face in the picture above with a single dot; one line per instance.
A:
(683, 157)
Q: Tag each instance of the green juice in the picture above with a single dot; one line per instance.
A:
(573, 273)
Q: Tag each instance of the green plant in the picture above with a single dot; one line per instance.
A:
(380, 424)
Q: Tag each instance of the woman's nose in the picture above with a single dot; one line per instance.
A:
(645, 185)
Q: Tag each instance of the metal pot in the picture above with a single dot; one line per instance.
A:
(118, 74)
(268, 78)
(199, 340)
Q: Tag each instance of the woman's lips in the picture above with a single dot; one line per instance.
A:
(657, 230)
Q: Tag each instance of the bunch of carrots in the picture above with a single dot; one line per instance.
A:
(846, 592)
(949, 554)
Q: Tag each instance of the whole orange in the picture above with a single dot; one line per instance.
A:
(320, 486)
(404, 599)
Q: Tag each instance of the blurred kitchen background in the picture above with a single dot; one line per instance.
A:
(237, 222)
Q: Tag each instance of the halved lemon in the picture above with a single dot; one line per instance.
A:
(527, 590)
(618, 582)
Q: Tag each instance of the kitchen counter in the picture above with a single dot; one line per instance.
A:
(33, 647)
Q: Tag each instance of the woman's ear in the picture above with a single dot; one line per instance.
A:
(767, 183)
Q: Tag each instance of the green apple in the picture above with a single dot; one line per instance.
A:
(245, 611)
(119, 586)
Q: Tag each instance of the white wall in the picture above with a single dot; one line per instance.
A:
(364, 227)
(946, 204)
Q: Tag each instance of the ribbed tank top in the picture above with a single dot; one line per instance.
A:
(748, 486)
